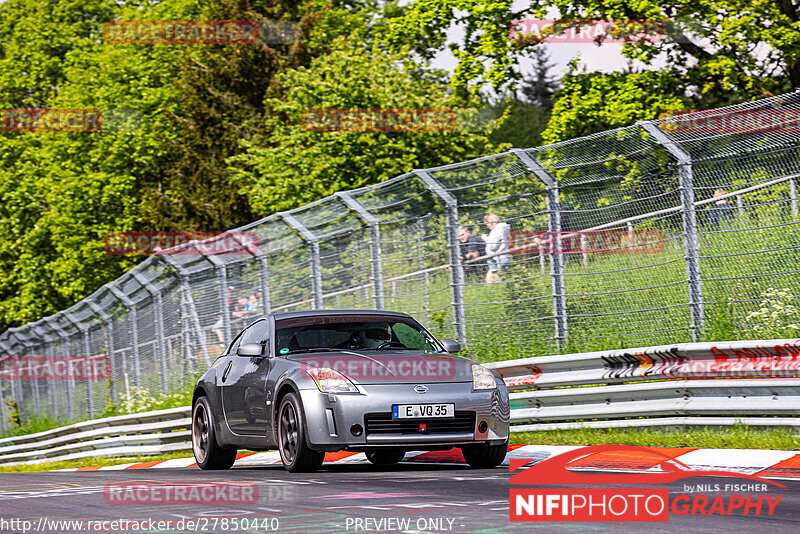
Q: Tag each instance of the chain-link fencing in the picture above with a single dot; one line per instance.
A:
(679, 229)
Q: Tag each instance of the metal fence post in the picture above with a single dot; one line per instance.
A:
(793, 195)
(3, 423)
(48, 352)
(690, 233)
(192, 309)
(557, 257)
(263, 277)
(454, 245)
(34, 381)
(224, 295)
(108, 323)
(134, 331)
(313, 243)
(87, 352)
(376, 272)
(51, 322)
(161, 347)
(263, 269)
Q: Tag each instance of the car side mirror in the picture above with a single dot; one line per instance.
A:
(451, 346)
(250, 349)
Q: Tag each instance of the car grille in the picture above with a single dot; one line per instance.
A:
(382, 423)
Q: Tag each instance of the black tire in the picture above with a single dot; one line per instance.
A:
(485, 456)
(207, 452)
(385, 456)
(296, 455)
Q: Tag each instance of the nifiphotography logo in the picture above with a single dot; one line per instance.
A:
(630, 504)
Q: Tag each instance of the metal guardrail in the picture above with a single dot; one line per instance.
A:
(138, 434)
(716, 384)
(753, 383)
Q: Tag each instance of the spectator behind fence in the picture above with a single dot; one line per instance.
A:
(471, 247)
(216, 328)
(496, 241)
(721, 210)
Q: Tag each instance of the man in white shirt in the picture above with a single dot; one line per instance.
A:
(496, 241)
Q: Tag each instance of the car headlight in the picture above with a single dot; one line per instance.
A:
(482, 378)
(331, 381)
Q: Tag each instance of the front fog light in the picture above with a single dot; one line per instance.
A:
(482, 378)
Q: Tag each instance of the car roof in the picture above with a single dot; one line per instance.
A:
(317, 313)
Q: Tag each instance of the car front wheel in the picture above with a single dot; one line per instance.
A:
(207, 452)
(296, 455)
(484, 456)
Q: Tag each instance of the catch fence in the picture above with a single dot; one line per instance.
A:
(679, 229)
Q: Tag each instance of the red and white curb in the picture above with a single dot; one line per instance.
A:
(765, 463)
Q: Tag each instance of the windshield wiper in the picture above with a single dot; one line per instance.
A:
(317, 349)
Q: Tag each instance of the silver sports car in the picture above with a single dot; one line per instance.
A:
(358, 380)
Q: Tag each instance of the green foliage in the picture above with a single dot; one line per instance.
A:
(593, 102)
(776, 318)
(713, 53)
(292, 165)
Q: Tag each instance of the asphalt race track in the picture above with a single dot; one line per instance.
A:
(339, 498)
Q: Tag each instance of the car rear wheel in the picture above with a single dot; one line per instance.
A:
(296, 455)
(385, 456)
(484, 456)
(207, 452)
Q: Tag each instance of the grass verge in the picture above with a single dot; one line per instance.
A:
(89, 462)
(735, 437)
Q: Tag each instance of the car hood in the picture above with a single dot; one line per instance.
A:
(402, 367)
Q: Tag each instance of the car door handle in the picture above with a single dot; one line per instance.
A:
(227, 370)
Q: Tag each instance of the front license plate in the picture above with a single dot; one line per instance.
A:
(419, 411)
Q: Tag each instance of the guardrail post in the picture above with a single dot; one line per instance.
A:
(194, 318)
(690, 237)
(371, 220)
(70, 382)
(313, 243)
(108, 323)
(161, 347)
(87, 350)
(554, 228)
(133, 325)
(454, 245)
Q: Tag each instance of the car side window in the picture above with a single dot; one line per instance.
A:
(411, 337)
(234, 344)
(257, 332)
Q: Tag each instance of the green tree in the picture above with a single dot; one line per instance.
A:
(292, 165)
(714, 52)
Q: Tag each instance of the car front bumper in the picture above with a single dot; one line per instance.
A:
(330, 417)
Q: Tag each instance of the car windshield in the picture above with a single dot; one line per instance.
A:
(352, 332)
